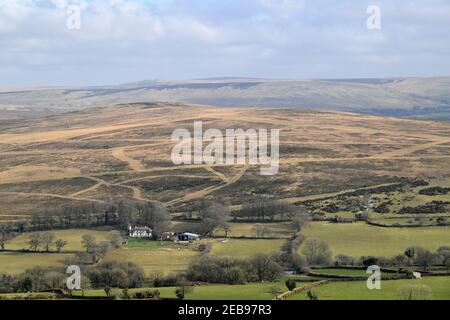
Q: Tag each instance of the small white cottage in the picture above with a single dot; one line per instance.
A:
(140, 232)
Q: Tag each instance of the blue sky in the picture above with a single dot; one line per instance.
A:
(129, 40)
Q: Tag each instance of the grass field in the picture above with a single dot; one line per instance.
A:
(272, 230)
(165, 259)
(15, 263)
(72, 236)
(245, 248)
(253, 291)
(360, 239)
(357, 290)
(144, 244)
(168, 292)
(22, 296)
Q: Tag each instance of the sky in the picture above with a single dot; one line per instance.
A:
(121, 41)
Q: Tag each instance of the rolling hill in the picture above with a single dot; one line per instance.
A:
(410, 97)
(123, 151)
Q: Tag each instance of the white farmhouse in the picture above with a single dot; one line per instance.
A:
(140, 232)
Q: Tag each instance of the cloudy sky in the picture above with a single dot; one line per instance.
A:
(128, 40)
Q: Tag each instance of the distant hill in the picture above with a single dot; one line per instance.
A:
(411, 97)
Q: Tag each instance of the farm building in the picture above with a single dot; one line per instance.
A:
(187, 236)
(140, 232)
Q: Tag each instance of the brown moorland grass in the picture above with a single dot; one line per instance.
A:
(322, 149)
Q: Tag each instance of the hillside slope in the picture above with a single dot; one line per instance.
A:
(124, 152)
(402, 96)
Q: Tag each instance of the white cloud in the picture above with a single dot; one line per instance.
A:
(126, 40)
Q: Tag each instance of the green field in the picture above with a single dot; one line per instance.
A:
(360, 239)
(272, 230)
(16, 263)
(245, 248)
(24, 296)
(166, 259)
(168, 292)
(253, 291)
(357, 290)
(72, 236)
(144, 244)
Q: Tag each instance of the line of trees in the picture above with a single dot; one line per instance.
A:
(86, 215)
(45, 240)
(7, 232)
(95, 251)
(265, 210)
(413, 256)
(213, 217)
(430, 207)
(258, 268)
(115, 274)
(106, 275)
(33, 280)
(82, 215)
(434, 191)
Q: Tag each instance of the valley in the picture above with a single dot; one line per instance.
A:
(367, 186)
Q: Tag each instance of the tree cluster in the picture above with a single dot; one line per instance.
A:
(258, 268)
(265, 210)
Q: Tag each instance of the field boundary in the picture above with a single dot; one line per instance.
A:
(411, 226)
(288, 294)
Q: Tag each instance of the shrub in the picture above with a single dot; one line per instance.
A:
(152, 294)
(291, 284)
(370, 261)
(139, 295)
(179, 292)
(125, 295)
(414, 292)
(116, 275)
(312, 295)
(317, 252)
(205, 248)
(433, 191)
(169, 281)
(344, 260)
(275, 290)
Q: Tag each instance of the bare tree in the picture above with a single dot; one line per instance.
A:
(154, 215)
(4, 238)
(115, 238)
(6, 234)
(88, 242)
(317, 252)
(47, 239)
(213, 217)
(425, 258)
(226, 228)
(265, 267)
(60, 243)
(85, 284)
(300, 220)
(444, 254)
(35, 241)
